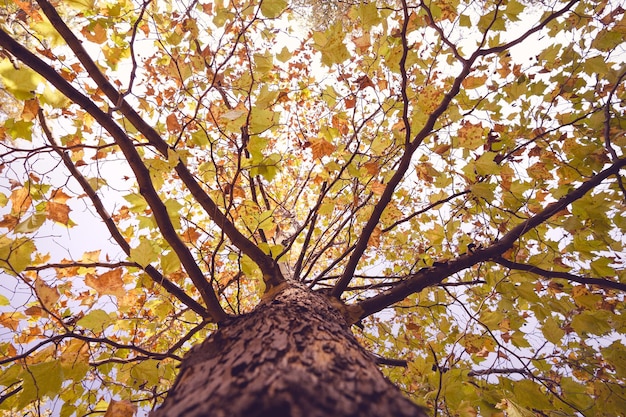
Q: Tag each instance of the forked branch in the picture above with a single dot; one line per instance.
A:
(269, 268)
(142, 174)
(435, 274)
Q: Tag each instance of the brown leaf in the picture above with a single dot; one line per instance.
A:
(9, 221)
(173, 126)
(29, 112)
(364, 82)
(108, 283)
(58, 212)
(321, 147)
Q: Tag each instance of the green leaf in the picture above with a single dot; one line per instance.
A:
(137, 203)
(485, 165)
(144, 254)
(528, 395)
(170, 262)
(31, 224)
(96, 321)
(615, 354)
(592, 322)
(145, 373)
(48, 377)
(551, 331)
(331, 46)
(273, 8)
(483, 190)
(15, 255)
(607, 40)
(261, 120)
(19, 129)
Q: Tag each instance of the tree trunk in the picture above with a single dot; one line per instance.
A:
(292, 356)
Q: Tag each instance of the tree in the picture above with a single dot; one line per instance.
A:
(432, 189)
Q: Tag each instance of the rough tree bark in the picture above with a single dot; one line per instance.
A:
(294, 355)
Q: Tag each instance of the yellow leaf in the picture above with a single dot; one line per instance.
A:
(81, 4)
(20, 82)
(20, 198)
(321, 147)
(108, 283)
(47, 295)
(92, 256)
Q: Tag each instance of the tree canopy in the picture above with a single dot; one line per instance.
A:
(451, 170)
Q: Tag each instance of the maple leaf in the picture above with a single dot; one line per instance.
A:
(110, 282)
(320, 147)
(48, 295)
(58, 212)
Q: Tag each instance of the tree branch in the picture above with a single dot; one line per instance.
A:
(426, 130)
(433, 275)
(604, 283)
(146, 188)
(269, 268)
(111, 226)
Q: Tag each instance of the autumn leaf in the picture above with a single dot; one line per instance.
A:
(20, 200)
(58, 212)
(120, 409)
(171, 121)
(472, 81)
(48, 295)
(108, 283)
(29, 112)
(320, 147)
(273, 8)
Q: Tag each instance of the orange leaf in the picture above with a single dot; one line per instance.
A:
(29, 112)
(11, 320)
(108, 283)
(58, 196)
(378, 188)
(97, 34)
(172, 123)
(20, 198)
(371, 167)
(474, 82)
(58, 212)
(321, 147)
(374, 239)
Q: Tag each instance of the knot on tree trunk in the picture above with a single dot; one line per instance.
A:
(292, 356)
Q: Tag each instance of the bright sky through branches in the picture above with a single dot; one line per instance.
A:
(450, 170)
